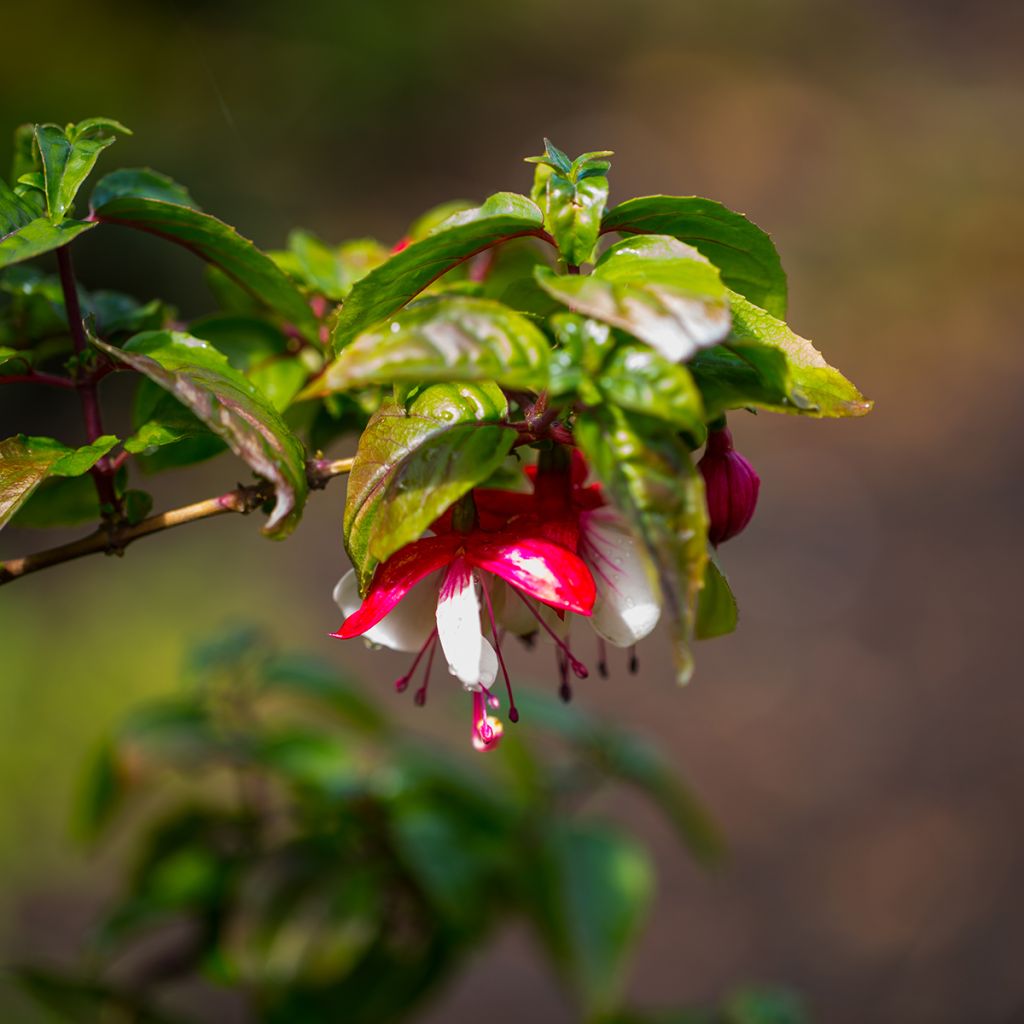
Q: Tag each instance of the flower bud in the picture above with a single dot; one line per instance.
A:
(731, 485)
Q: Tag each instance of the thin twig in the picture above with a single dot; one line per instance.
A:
(113, 540)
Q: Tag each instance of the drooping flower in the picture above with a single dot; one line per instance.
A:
(429, 592)
(731, 484)
(627, 602)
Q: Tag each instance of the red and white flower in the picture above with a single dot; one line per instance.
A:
(430, 592)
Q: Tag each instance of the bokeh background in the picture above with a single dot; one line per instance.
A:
(859, 738)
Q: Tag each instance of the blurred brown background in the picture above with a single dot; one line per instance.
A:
(860, 737)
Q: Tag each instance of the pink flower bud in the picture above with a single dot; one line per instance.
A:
(731, 485)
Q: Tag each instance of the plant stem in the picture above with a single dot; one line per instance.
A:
(38, 377)
(113, 539)
(86, 386)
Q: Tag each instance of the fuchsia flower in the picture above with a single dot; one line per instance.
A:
(731, 484)
(405, 610)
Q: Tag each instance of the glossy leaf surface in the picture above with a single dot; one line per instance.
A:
(201, 378)
(744, 254)
(385, 290)
(443, 339)
(415, 460)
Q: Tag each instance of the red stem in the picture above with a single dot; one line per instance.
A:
(38, 377)
(86, 387)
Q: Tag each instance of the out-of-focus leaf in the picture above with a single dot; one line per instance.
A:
(653, 287)
(217, 243)
(137, 505)
(38, 237)
(443, 339)
(312, 760)
(25, 462)
(102, 793)
(592, 888)
(259, 350)
(200, 377)
(117, 313)
(626, 757)
(744, 254)
(651, 477)
(385, 290)
(15, 212)
(60, 502)
(717, 613)
(415, 460)
(763, 1006)
(316, 679)
(85, 1002)
(329, 271)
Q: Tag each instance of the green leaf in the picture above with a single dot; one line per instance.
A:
(553, 157)
(68, 156)
(653, 287)
(15, 212)
(583, 346)
(201, 378)
(443, 339)
(414, 461)
(25, 158)
(259, 350)
(743, 253)
(635, 377)
(217, 243)
(137, 505)
(616, 753)
(161, 420)
(139, 183)
(717, 613)
(328, 271)
(385, 290)
(592, 889)
(319, 680)
(60, 501)
(84, 1001)
(817, 389)
(38, 237)
(743, 376)
(651, 478)
(25, 462)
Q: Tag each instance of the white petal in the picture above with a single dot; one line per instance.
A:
(488, 671)
(407, 626)
(628, 604)
(458, 623)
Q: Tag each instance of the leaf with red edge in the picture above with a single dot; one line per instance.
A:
(388, 288)
(202, 379)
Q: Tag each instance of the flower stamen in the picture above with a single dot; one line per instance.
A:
(513, 711)
(420, 697)
(579, 669)
(402, 683)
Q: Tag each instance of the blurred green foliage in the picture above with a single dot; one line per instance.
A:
(295, 849)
